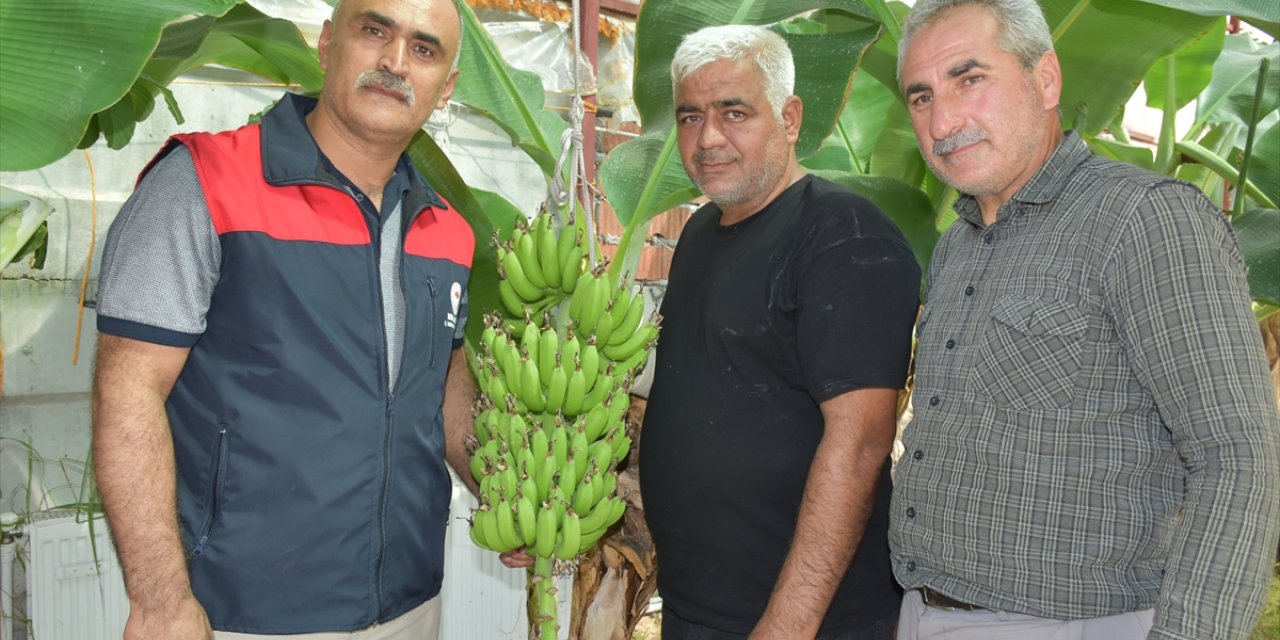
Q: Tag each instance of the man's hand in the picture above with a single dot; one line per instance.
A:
(186, 621)
(518, 559)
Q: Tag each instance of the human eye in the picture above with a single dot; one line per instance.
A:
(920, 100)
(372, 30)
(972, 79)
(688, 119)
(735, 115)
(424, 50)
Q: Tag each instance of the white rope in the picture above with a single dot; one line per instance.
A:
(571, 147)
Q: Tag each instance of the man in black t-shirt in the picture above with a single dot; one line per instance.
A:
(787, 333)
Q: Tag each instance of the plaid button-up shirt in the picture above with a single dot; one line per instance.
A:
(1094, 430)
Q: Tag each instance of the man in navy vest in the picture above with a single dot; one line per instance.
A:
(279, 378)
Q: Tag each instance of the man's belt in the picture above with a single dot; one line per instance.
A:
(943, 601)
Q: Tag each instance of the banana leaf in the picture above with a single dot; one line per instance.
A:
(61, 61)
(1258, 231)
(1229, 96)
(1192, 70)
(23, 226)
(511, 98)
(483, 210)
(243, 38)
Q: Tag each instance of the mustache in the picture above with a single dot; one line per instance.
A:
(964, 138)
(387, 80)
(706, 156)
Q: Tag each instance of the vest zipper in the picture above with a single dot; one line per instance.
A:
(215, 490)
(435, 320)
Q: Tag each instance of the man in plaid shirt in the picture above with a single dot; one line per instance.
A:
(1095, 451)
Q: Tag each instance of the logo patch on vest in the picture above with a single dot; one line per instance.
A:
(455, 299)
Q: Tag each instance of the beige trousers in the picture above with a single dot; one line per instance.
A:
(419, 623)
(918, 621)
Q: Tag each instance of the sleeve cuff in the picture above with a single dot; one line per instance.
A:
(146, 332)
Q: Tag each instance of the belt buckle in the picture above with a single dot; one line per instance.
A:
(945, 602)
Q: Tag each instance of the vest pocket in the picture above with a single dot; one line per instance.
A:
(217, 472)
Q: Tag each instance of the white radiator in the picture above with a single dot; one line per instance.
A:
(71, 596)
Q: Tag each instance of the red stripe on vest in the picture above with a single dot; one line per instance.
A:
(442, 234)
(229, 165)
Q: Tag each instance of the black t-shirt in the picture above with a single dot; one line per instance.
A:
(813, 296)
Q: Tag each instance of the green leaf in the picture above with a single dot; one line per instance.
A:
(906, 205)
(1229, 96)
(643, 177)
(1106, 47)
(1135, 155)
(1266, 162)
(22, 219)
(483, 210)
(897, 152)
(1262, 10)
(1258, 231)
(511, 98)
(1194, 69)
(61, 61)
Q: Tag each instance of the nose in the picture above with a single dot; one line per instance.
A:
(945, 116)
(395, 57)
(710, 135)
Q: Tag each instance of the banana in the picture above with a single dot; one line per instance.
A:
(557, 385)
(527, 521)
(609, 485)
(558, 501)
(511, 302)
(584, 497)
(528, 487)
(548, 256)
(627, 325)
(560, 445)
(517, 433)
(571, 270)
(530, 340)
(601, 454)
(589, 539)
(548, 349)
(627, 348)
(595, 421)
(567, 240)
(531, 387)
(594, 305)
(544, 546)
(621, 446)
(575, 391)
(546, 476)
(514, 273)
(487, 520)
(481, 426)
(570, 346)
(590, 356)
(604, 325)
(596, 518)
(571, 529)
(477, 466)
(566, 483)
(603, 387)
(477, 534)
(578, 447)
(489, 333)
(527, 253)
(511, 538)
(618, 404)
(631, 366)
(539, 443)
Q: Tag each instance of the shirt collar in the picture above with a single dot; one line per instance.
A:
(1044, 186)
(290, 155)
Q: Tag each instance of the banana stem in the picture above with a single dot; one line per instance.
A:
(542, 606)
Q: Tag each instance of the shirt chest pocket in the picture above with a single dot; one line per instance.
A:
(1031, 353)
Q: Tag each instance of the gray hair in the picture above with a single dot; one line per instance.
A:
(1023, 31)
(462, 31)
(765, 48)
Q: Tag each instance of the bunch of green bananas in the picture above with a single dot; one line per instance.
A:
(550, 426)
(538, 267)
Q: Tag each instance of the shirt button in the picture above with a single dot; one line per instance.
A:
(918, 454)
(933, 402)
(988, 238)
(951, 344)
(911, 512)
(360, 197)
(911, 565)
(968, 291)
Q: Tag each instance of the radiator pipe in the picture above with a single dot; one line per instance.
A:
(8, 549)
